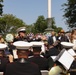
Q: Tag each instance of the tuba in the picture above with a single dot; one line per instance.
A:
(57, 70)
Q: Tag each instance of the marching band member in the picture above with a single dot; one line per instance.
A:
(37, 58)
(3, 59)
(22, 66)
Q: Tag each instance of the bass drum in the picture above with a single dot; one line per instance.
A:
(57, 70)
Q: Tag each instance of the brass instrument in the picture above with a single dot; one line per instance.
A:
(57, 70)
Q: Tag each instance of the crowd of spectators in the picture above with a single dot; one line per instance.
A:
(39, 54)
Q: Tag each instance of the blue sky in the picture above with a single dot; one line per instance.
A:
(29, 10)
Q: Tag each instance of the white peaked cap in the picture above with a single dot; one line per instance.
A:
(67, 44)
(36, 43)
(21, 29)
(2, 46)
(22, 45)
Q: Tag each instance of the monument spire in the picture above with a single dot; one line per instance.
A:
(49, 19)
(49, 9)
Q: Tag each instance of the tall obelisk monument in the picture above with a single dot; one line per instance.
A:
(49, 20)
(49, 9)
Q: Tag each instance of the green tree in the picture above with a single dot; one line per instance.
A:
(1, 7)
(40, 25)
(58, 29)
(70, 13)
(9, 23)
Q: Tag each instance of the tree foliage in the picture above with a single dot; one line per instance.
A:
(40, 25)
(1, 7)
(9, 23)
(1, 0)
(70, 13)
